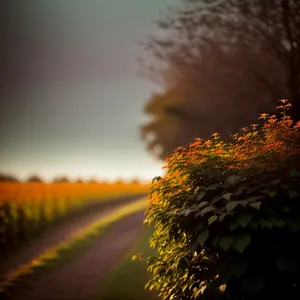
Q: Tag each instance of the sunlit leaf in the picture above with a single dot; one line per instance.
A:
(212, 219)
(256, 205)
(227, 196)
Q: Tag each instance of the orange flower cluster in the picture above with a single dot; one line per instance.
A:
(267, 144)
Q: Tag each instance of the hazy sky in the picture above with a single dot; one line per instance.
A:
(74, 104)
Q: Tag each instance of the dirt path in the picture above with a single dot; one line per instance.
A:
(80, 278)
(56, 235)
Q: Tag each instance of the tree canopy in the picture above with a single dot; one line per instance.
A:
(220, 63)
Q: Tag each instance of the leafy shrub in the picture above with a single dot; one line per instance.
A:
(227, 216)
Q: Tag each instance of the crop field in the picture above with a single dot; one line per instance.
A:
(26, 208)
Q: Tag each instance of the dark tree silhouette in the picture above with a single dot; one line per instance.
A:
(62, 179)
(221, 63)
(8, 178)
(34, 178)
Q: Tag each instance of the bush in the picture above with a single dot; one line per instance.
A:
(227, 216)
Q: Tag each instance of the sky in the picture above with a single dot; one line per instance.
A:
(73, 100)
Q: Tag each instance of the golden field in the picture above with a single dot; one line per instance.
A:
(27, 207)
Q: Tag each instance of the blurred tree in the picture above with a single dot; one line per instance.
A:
(221, 63)
(119, 182)
(135, 181)
(93, 180)
(62, 179)
(8, 178)
(34, 178)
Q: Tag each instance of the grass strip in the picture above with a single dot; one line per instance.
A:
(127, 281)
(76, 242)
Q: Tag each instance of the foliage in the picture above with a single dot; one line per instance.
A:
(27, 208)
(226, 216)
(215, 56)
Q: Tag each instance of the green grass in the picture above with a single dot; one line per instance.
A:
(127, 281)
(64, 251)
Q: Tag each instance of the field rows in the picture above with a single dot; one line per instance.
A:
(28, 208)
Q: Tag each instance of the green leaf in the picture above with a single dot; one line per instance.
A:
(202, 204)
(225, 242)
(265, 223)
(227, 196)
(238, 268)
(202, 237)
(295, 173)
(233, 225)
(244, 219)
(253, 199)
(186, 212)
(231, 205)
(206, 210)
(212, 219)
(216, 199)
(200, 195)
(292, 194)
(253, 224)
(256, 205)
(213, 187)
(241, 242)
(272, 193)
(278, 223)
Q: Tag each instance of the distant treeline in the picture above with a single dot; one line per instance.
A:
(62, 179)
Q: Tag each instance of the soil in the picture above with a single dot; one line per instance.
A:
(80, 278)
